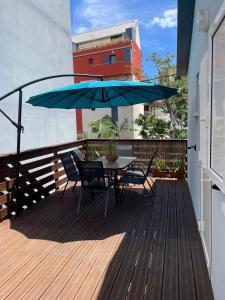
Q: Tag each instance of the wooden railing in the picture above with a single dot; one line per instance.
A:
(169, 150)
(41, 171)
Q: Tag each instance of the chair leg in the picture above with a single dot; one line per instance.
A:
(153, 185)
(147, 191)
(151, 188)
(74, 186)
(79, 201)
(106, 203)
(64, 189)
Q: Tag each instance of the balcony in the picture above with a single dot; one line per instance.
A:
(140, 251)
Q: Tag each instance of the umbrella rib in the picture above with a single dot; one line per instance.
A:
(84, 92)
(66, 96)
(96, 90)
(144, 96)
(169, 89)
(107, 97)
(55, 95)
(121, 94)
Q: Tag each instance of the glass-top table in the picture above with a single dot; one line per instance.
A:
(120, 164)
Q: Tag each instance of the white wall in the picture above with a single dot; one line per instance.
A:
(209, 204)
(35, 42)
(199, 47)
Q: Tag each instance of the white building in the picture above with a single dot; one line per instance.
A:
(201, 55)
(35, 42)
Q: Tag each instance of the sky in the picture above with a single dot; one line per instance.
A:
(157, 22)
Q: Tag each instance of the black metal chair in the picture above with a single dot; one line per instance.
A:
(140, 177)
(77, 156)
(70, 170)
(93, 178)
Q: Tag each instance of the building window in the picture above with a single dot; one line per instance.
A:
(90, 61)
(110, 59)
(127, 54)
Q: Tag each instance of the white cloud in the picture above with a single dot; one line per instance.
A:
(168, 19)
(98, 13)
(81, 29)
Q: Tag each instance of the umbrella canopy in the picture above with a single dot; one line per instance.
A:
(100, 94)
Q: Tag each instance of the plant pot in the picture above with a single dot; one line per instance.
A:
(177, 174)
(111, 158)
(157, 173)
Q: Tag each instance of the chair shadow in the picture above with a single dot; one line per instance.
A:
(55, 219)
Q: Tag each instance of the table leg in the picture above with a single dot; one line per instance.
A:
(116, 187)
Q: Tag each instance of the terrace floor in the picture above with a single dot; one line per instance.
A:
(140, 251)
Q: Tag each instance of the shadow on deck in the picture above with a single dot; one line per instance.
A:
(140, 251)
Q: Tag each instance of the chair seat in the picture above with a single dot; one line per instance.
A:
(134, 173)
(132, 177)
(74, 177)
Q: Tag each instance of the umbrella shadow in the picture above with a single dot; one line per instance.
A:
(54, 218)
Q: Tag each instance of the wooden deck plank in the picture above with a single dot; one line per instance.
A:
(138, 284)
(202, 281)
(70, 279)
(138, 251)
(129, 235)
(186, 276)
(58, 258)
(155, 275)
(123, 279)
(170, 270)
(30, 260)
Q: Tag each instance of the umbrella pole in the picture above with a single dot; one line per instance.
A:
(19, 131)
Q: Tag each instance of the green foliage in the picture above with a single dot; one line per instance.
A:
(104, 128)
(151, 127)
(178, 166)
(160, 164)
(110, 149)
(175, 107)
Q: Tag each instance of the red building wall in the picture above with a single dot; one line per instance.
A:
(120, 68)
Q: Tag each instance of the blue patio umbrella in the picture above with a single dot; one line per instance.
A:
(100, 94)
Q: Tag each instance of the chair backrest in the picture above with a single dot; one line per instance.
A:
(148, 171)
(68, 165)
(76, 154)
(124, 150)
(91, 175)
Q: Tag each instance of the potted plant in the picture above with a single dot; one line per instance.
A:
(160, 169)
(178, 170)
(110, 152)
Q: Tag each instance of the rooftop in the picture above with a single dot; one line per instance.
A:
(109, 31)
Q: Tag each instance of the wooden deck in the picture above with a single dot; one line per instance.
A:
(140, 251)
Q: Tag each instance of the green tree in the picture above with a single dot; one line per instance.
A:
(152, 128)
(175, 107)
(104, 128)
